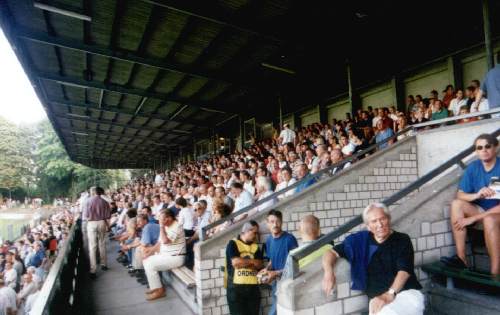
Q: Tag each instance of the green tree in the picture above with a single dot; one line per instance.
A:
(16, 165)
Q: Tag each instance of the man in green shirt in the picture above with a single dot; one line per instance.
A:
(439, 111)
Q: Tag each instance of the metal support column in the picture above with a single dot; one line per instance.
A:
(352, 97)
(280, 104)
(487, 34)
(455, 71)
(398, 95)
(242, 136)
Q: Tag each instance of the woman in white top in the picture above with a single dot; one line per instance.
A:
(457, 102)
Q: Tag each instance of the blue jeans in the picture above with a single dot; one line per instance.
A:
(272, 310)
(130, 251)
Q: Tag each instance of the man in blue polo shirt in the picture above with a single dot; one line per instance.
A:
(474, 204)
(277, 247)
(148, 238)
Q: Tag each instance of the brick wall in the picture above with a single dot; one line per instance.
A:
(334, 201)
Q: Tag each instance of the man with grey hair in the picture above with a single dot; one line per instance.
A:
(381, 265)
(264, 190)
(244, 259)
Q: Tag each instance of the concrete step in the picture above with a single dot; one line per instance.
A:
(187, 293)
(460, 302)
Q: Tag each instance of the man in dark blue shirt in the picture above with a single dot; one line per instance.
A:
(477, 201)
(37, 259)
(382, 265)
(278, 244)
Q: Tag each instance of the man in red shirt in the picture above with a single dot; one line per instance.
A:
(97, 213)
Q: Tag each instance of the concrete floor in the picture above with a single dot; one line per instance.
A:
(115, 292)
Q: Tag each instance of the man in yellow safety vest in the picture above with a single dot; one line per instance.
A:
(243, 260)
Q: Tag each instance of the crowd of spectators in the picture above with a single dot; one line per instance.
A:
(158, 220)
(25, 263)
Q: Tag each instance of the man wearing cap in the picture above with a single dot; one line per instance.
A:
(243, 260)
(287, 135)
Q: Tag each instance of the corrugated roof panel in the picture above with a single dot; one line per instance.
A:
(133, 24)
(193, 85)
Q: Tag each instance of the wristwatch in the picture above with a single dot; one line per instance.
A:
(392, 292)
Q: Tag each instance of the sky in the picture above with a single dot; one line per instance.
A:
(18, 101)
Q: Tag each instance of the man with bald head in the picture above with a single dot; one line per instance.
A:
(310, 231)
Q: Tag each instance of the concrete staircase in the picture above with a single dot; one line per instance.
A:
(445, 301)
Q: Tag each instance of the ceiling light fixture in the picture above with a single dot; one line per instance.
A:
(46, 7)
(77, 115)
(72, 84)
(79, 133)
(277, 68)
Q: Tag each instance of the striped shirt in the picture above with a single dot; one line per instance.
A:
(177, 245)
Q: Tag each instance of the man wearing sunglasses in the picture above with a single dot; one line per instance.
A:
(474, 204)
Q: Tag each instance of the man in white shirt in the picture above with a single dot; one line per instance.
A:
(247, 182)
(286, 180)
(242, 198)
(185, 216)
(207, 194)
(287, 135)
(157, 205)
(10, 275)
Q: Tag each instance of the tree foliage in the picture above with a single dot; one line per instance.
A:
(33, 159)
(15, 159)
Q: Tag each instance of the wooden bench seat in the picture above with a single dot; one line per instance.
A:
(438, 268)
(186, 275)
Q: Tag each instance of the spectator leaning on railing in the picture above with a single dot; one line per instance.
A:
(382, 265)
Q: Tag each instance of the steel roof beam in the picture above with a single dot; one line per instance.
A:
(210, 12)
(97, 121)
(77, 82)
(114, 110)
(129, 56)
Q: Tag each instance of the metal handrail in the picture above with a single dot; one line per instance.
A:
(328, 170)
(51, 284)
(328, 238)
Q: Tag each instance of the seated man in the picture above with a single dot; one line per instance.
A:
(309, 232)
(473, 204)
(149, 238)
(171, 253)
(381, 265)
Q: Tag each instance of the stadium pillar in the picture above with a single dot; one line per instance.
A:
(455, 71)
(280, 104)
(323, 113)
(242, 136)
(398, 94)
(487, 34)
(354, 100)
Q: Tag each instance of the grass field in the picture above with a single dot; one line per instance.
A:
(11, 233)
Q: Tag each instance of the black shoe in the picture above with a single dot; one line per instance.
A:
(132, 271)
(453, 262)
(140, 274)
(92, 275)
(104, 268)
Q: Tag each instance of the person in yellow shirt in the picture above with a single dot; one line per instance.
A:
(244, 259)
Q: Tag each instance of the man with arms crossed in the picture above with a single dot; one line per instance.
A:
(473, 204)
(381, 265)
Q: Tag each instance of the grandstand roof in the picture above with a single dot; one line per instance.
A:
(125, 82)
